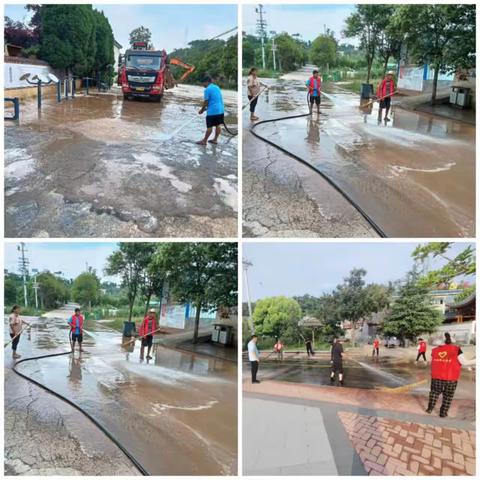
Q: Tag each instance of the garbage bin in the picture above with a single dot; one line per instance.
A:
(460, 96)
(128, 329)
(367, 90)
(222, 334)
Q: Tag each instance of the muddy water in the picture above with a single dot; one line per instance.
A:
(415, 177)
(99, 166)
(175, 413)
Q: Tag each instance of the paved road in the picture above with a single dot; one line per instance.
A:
(176, 413)
(99, 166)
(414, 176)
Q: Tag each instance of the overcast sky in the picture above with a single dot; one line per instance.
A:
(308, 20)
(299, 268)
(172, 26)
(69, 258)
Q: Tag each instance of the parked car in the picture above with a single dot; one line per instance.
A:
(392, 342)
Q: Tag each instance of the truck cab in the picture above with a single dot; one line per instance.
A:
(142, 72)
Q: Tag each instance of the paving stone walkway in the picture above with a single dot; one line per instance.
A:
(391, 447)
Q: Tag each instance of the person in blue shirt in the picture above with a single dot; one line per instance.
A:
(213, 104)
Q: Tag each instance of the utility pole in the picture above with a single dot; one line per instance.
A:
(247, 264)
(262, 30)
(35, 286)
(23, 267)
(274, 49)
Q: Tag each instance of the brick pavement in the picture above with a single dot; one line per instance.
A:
(392, 447)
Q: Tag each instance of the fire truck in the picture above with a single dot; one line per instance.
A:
(146, 73)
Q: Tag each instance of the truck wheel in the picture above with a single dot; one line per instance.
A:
(157, 98)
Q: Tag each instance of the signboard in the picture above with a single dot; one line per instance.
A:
(173, 316)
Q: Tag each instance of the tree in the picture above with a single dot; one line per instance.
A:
(462, 264)
(367, 23)
(104, 56)
(68, 37)
(10, 290)
(290, 52)
(17, 33)
(52, 291)
(130, 262)
(356, 301)
(86, 289)
(204, 274)
(390, 41)
(277, 317)
(440, 35)
(412, 313)
(324, 51)
(141, 34)
(153, 283)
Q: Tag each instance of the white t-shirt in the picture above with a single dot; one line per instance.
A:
(252, 351)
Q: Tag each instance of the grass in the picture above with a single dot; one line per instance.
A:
(264, 73)
(29, 311)
(116, 323)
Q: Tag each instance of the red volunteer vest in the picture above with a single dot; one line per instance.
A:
(376, 343)
(144, 330)
(278, 346)
(314, 86)
(422, 347)
(382, 88)
(75, 319)
(445, 364)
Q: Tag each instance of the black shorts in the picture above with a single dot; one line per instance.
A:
(214, 120)
(385, 103)
(315, 99)
(77, 337)
(337, 366)
(147, 341)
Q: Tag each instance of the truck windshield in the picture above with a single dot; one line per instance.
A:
(142, 61)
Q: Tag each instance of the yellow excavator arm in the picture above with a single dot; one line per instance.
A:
(189, 68)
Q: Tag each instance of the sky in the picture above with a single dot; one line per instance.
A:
(172, 26)
(292, 269)
(308, 20)
(69, 258)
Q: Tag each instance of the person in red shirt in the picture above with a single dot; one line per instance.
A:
(447, 361)
(421, 349)
(385, 90)
(147, 328)
(376, 347)
(278, 347)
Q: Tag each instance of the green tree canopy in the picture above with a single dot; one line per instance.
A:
(441, 35)
(130, 262)
(52, 291)
(86, 289)
(462, 264)
(323, 51)
(277, 317)
(204, 274)
(411, 313)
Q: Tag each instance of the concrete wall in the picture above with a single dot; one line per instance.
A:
(462, 333)
(13, 72)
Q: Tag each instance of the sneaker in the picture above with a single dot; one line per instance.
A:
(443, 415)
(429, 410)
(341, 383)
(387, 119)
(149, 357)
(332, 379)
(256, 381)
(16, 355)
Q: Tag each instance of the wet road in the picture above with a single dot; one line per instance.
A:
(175, 414)
(415, 177)
(99, 166)
(365, 373)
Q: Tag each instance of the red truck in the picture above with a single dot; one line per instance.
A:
(145, 73)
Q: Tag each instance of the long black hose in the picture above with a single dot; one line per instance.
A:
(137, 464)
(329, 180)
